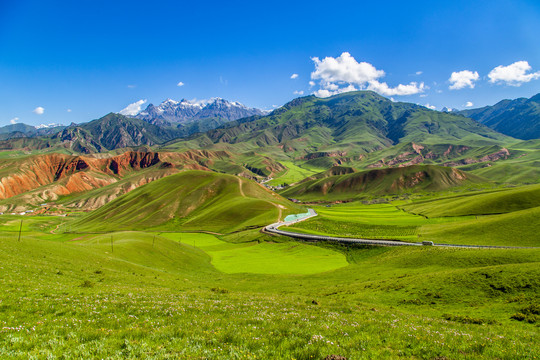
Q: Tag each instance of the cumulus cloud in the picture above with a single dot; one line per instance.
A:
(296, 92)
(180, 84)
(323, 93)
(469, 104)
(463, 79)
(384, 89)
(430, 106)
(132, 109)
(344, 73)
(294, 76)
(39, 110)
(14, 120)
(514, 74)
(312, 83)
(68, 110)
(419, 72)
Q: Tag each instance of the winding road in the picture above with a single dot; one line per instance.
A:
(274, 228)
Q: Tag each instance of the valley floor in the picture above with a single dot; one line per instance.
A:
(194, 296)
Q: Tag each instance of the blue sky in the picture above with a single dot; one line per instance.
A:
(74, 61)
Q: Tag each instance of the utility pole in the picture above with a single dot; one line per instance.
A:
(20, 230)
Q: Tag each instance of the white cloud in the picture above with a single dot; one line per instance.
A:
(419, 72)
(132, 86)
(312, 83)
(469, 104)
(463, 79)
(39, 110)
(344, 70)
(384, 89)
(14, 120)
(132, 109)
(180, 84)
(296, 92)
(323, 93)
(294, 76)
(430, 106)
(68, 110)
(514, 74)
(423, 95)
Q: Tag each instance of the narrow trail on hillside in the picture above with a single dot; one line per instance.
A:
(280, 209)
(53, 231)
(240, 187)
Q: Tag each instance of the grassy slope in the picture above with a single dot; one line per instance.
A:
(518, 228)
(263, 258)
(498, 202)
(293, 174)
(196, 200)
(378, 221)
(160, 299)
(380, 182)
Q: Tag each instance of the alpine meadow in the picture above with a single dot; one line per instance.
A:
(146, 212)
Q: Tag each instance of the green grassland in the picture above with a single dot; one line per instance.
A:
(380, 182)
(377, 221)
(492, 202)
(263, 258)
(170, 295)
(293, 173)
(501, 217)
(191, 200)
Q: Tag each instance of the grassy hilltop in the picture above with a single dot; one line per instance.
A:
(191, 200)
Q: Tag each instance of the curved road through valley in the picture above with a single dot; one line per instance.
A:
(274, 228)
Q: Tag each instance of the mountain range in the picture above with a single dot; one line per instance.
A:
(309, 135)
(171, 112)
(519, 118)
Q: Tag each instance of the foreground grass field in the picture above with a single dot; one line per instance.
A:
(263, 258)
(145, 295)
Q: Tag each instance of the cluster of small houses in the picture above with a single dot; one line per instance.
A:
(21, 213)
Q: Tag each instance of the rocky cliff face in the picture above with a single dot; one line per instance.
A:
(81, 173)
(43, 178)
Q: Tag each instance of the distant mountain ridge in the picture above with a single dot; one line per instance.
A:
(23, 130)
(519, 118)
(171, 112)
(113, 131)
(355, 122)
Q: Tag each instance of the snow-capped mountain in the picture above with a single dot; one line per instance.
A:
(187, 111)
(47, 126)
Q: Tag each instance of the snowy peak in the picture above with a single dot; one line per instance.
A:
(187, 111)
(47, 126)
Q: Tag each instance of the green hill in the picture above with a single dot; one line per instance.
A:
(519, 118)
(357, 122)
(191, 200)
(498, 202)
(380, 182)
